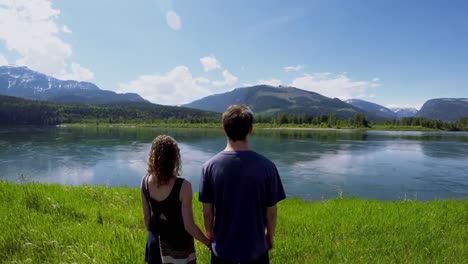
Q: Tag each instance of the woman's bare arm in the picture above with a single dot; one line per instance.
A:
(144, 204)
(187, 214)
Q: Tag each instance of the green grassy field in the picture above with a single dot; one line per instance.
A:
(42, 223)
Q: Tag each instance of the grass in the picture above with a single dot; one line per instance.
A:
(42, 223)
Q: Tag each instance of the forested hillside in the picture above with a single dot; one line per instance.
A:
(270, 101)
(17, 111)
(447, 109)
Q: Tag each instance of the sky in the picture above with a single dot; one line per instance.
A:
(395, 53)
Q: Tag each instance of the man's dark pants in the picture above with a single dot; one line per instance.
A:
(263, 259)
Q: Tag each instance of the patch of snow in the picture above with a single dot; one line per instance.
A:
(27, 78)
(50, 85)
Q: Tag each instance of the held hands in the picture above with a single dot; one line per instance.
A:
(209, 238)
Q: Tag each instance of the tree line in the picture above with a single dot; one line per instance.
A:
(323, 120)
(460, 125)
(360, 121)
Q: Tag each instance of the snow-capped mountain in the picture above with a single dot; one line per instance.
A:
(374, 108)
(404, 111)
(26, 83)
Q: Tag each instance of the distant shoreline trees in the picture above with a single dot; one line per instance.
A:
(460, 125)
(360, 121)
(323, 120)
(16, 111)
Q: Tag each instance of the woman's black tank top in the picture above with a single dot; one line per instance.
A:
(167, 217)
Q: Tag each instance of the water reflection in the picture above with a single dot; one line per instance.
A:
(448, 150)
(313, 164)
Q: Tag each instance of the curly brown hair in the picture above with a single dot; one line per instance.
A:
(164, 159)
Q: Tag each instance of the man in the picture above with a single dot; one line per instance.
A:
(239, 190)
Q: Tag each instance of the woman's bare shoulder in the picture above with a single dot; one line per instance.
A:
(186, 189)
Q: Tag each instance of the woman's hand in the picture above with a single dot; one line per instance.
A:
(207, 243)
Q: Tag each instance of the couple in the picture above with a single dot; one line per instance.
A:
(239, 189)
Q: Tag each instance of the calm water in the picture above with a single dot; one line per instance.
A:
(312, 164)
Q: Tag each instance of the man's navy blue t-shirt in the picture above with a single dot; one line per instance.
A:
(240, 185)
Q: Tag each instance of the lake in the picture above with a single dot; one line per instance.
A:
(313, 164)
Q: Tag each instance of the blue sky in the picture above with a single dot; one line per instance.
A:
(172, 52)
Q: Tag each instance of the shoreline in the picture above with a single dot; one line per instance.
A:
(258, 126)
(195, 193)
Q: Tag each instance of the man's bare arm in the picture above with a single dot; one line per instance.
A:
(208, 219)
(271, 213)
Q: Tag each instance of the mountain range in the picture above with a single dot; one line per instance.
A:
(378, 110)
(382, 111)
(262, 99)
(269, 100)
(404, 111)
(26, 83)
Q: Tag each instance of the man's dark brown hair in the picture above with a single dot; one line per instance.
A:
(237, 122)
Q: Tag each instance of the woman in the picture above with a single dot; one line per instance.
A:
(167, 206)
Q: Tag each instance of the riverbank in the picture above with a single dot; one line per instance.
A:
(42, 223)
(256, 126)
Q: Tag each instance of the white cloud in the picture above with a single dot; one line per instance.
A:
(376, 79)
(29, 29)
(210, 63)
(3, 60)
(229, 79)
(78, 73)
(293, 68)
(175, 87)
(340, 86)
(202, 80)
(65, 29)
(173, 20)
(272, 82)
